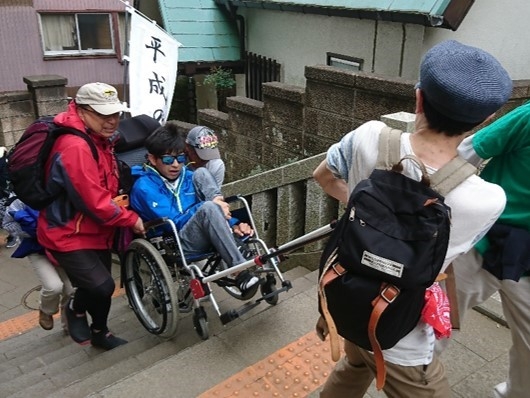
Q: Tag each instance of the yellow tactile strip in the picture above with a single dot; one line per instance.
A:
(295, 371)
(23, 323)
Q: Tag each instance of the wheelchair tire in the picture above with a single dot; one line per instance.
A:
(200, 323)
(268, 287)
(149, 289)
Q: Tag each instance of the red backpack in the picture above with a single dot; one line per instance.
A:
(27, 159)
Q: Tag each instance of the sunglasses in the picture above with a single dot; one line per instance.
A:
(170, 159)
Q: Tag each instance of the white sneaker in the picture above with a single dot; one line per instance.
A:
(500, 390)
(245, 280)
(12, 241)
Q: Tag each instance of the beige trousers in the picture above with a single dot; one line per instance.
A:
(474, 286)
(354, 373)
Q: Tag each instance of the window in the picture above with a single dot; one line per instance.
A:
(344, 62)
(77, 34)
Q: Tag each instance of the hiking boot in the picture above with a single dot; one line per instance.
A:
(106, 340)
(77, 325)
(45, 321)
(245, 281)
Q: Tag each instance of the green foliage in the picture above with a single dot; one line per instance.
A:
(180, 106)
(220, 78)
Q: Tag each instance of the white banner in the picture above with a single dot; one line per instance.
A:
(153, 59)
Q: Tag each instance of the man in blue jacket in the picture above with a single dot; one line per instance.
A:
(165, 187)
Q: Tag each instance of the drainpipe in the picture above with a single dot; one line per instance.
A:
(232, 12)
(242, 47)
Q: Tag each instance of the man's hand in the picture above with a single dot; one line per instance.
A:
(243, 229)
(322, 328)
(138, 227)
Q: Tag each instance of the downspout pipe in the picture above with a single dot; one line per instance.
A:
(232, 12)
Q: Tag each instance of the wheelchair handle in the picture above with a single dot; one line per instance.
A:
(232, 198)
(157, 222)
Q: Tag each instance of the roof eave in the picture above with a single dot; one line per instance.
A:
(451, 18)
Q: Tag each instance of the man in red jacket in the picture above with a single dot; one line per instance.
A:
(77, 229)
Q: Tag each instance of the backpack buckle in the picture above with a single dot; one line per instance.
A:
(389, 293)
(339, 269)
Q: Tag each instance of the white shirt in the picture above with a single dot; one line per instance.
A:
(475, 205)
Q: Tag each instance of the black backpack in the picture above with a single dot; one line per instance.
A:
(386, 250)
(27, 159)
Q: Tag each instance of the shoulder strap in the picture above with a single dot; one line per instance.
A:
(452, 174)
(59, 130)
(389, 151)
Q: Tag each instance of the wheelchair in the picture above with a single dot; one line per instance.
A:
(162, 284)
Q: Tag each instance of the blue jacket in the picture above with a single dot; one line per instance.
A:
(27, 219)
(151, 198)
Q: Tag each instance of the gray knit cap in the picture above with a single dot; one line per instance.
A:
(464, 83)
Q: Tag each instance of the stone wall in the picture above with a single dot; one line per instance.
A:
(294, 123)
(46, 95)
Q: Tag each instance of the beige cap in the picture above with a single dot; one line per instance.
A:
(101, 97)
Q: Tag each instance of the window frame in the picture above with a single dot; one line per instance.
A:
(114, 31)
(345, 60)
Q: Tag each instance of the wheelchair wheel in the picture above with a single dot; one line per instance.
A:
(200, 323)
(149, 288)
(269, 287)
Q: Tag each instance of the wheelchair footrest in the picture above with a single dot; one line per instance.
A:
(230, 315)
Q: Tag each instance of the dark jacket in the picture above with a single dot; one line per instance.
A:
(508, 256)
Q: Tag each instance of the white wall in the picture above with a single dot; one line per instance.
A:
(391, 49)
(499, 27)
(296, 40)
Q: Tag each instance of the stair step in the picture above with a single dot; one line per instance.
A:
(44, 363)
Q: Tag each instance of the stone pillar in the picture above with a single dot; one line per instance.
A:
(16, 113)
(48, 93)
(403, 121)
(283, 120)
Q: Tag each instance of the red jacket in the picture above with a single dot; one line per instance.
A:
(84, 217)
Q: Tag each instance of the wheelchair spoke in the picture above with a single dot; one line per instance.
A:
(149, 289)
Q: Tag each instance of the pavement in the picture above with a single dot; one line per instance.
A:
(271, 351)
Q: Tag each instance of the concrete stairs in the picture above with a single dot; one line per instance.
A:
(49, 364)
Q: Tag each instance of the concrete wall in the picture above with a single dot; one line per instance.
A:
(391, 49)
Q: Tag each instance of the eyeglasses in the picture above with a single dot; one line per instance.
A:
(170, 159)
(101, 116)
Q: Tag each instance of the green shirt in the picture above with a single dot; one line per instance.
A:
(507, 142)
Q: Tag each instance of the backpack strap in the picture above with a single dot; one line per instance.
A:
(331, 271)
(451, 175)
(444, 180)
(389, 151)
(59, 130)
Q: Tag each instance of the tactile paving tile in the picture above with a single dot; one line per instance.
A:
(294, 371)
(18, 325)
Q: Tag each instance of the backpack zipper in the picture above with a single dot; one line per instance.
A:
(351, 217)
